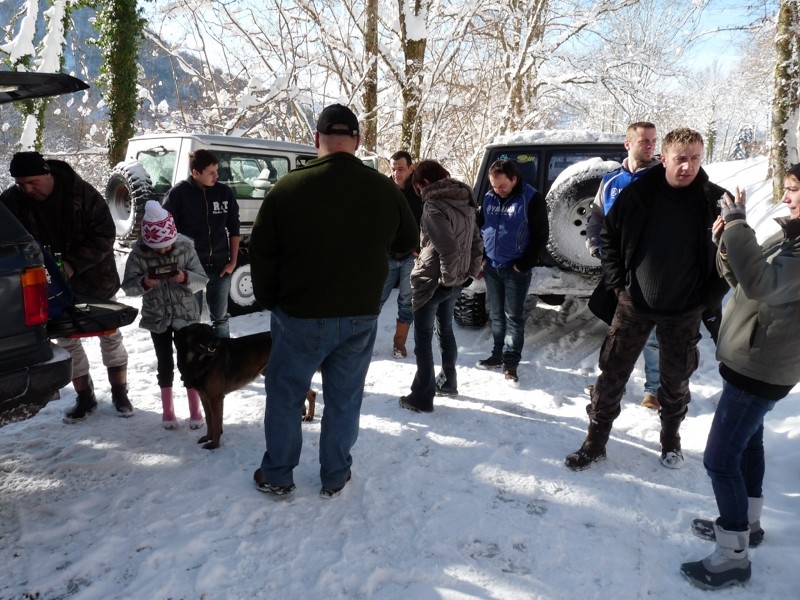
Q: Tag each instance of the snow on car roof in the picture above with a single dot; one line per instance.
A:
(557, 136)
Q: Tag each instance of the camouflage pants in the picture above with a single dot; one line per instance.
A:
(677, 335)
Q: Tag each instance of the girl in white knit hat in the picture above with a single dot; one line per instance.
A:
(164, 269)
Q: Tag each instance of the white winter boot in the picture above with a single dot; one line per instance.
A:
(168, 420)
(754, 506)
(196, 420)
(704, 528)
(727, 565)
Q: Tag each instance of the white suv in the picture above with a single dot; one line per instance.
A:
(154, 163)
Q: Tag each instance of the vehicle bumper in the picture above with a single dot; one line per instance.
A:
(25, 391)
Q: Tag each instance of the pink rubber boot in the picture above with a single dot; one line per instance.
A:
(168, 420)
(196, 420)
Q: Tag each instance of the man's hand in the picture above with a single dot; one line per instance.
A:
(733, 209)
(229, 268)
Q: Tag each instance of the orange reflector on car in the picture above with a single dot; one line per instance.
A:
(34, 293)
(95, 334)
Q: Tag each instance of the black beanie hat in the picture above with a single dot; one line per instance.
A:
(28, 164)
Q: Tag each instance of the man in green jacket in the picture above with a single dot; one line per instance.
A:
(318, 259)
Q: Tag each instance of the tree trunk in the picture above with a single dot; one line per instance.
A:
(785, 98)
(369, 124)
(414, 54)
(121, 28)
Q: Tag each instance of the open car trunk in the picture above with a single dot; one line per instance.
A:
(90, 317)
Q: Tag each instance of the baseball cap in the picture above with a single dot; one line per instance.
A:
(337, 119)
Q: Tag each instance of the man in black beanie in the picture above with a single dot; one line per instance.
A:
(68, 215)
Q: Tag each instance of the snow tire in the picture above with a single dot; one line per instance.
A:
(470, 309)
(127, 190)
(569, 205)
(242, 299)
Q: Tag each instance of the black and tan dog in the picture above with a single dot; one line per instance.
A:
(217, 366)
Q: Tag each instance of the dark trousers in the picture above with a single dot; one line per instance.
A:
(165, 364)
(507, 290)
(436, 315)
(677, 335)
(734, 456)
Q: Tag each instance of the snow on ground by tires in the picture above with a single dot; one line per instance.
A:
(472, 501)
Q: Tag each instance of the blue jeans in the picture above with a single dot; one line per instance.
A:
(734, 456)
(400, 276)
(217, 291)
(652, 374)
(436, 314)
(341, 348)
(507, 290)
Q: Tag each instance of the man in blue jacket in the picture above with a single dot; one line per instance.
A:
(513, 222)
(207, 211)
(640, 142)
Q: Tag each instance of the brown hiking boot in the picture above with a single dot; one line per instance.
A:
(651, 402)
(399, 340)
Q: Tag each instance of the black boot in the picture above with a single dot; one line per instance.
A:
(118, 378)
(593, 448)
(85, 402)
(671, 455)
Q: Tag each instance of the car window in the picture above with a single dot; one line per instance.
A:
(160, 166)
(558, 160)
(249, 175)
(527, 162)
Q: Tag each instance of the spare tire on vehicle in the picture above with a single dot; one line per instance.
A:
(569, 205)
(242, 299)
(127, 190)
(470, 309)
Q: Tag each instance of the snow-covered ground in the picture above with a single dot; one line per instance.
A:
(472, 501)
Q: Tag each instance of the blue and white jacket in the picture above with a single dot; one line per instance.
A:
(608, 192)
(514, 229)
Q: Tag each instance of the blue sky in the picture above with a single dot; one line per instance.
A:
(723, 46)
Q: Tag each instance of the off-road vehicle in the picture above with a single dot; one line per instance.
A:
(32, 368)
(566, 167)
(154, 163)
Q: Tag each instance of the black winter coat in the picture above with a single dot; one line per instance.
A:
(85, 230)
(625, 222)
